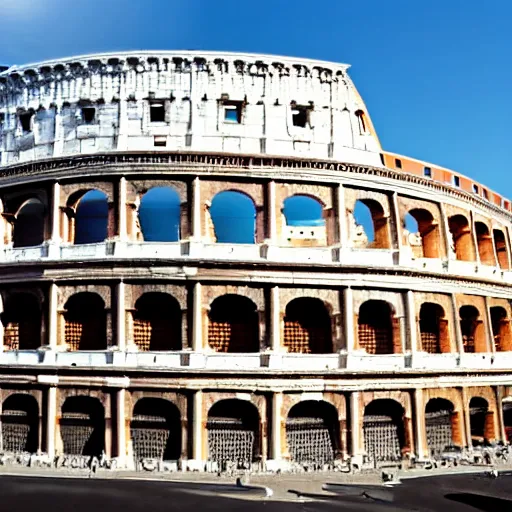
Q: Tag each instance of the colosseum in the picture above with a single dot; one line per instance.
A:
(209, 261)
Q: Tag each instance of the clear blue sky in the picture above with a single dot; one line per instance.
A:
(436, 76)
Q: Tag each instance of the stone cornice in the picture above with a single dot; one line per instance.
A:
(199, 162)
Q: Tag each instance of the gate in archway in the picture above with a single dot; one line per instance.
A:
(381, 438)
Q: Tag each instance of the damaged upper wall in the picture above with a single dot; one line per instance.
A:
(187, 100)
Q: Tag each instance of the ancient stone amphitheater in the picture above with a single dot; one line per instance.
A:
(208, 259)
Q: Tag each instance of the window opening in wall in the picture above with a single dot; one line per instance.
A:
(233, 112)
(29, 224)
(160, 215)
(501, 329)
(472, 329)
(481, 421)
(398, 163)
(234, 218)
(433, 329)
(424, 242)
(21, 320)
(88, 115)
(375, 327)
(160, 141)
(302, 211)
(300, 115)
(485, 193)
(427, 172)
(485, 244)
(361, 120)
(91, 220)
(157, 112)
(475, 189)
(26, 121)
(462, 243)
(456, 181)
(370, 225)
(501, 249)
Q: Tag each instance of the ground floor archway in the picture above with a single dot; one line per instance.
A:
(20, 424)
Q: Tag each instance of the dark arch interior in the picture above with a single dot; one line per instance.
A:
(157, 322)
(29, 225)
(91, 221)
(479, 414)
(485, 244)
(234, 217)
(233, 324)
(375, 330)
(307, 327)
(22, 322)
(156, 430)
(500, 324)
(501, 248)
(424, 225)
(233, 432)
(302, 210)
(85, 322)
(439, 423)
(469, 321)
(432, 327)
(461, 234)
(20, 423)
(82, 426)
(159, 215)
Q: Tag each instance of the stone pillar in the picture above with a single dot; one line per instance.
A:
(488, 323)
(467, 417)
(397, 221)
(53, 316)
(275, 432)
(420, 432)
(348, 311)
(197, 319)
(51, 418)
(121, 316)
(445, 233)
(499, 410)
(458, 331)
(342, 216)
(196, 210)
(55, 214)
(272, 213)
(275, 319)
(197, 427)
(474, 237)
(1, 329)
(122, 131)
(122, 231)
(412, 327)
(356, 446)
(121, 426)
(58, 144)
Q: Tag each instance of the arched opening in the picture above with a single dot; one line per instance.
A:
(423, 233)
(157, 322)
(481, 421)
(85, 326)
(375, 327)
(442, 424)
(461, 236)
(233, 433)
(82, 426)
(472, 329)
(501, 249)
(485, 244)
(233, 324)
(91, 219)
(507, 419)
(20, 424)
(29, 224)
(501, 329)
(21, 319)
(307, 327)
(159, 215)
(305, 223)
(383, 430)
(155, 430)
(234, 218)
(369, 215)
(312, 433)
(435, 336)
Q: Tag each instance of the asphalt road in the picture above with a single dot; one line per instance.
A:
(464, 493)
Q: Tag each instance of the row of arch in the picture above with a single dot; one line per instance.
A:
(234, 217)
(234, 324)
(313, 429)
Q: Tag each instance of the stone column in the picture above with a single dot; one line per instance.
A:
(58, 144)
(348, 311)
(397, 221)
(197, 427)
(1, 329)
(474, 237)
(122, 231)
(458, 330)
(412, 327)
(342, 216)
(53, 316)
(356, 447)
(121, 426)
(467, 417)
(488, 323)
(51, 418)
(420, 433)
(121, 316)
(197, 319)
(55, 214)
(272, 213)
(445, 232)
(275, 431)
(196, 210)
(122, 131)
(499, 410)
(275, 319)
